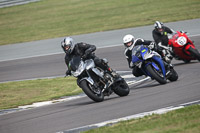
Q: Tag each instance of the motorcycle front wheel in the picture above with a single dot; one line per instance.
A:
(158, 77)
(93, 93)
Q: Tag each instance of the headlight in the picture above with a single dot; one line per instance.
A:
(146, 56)
(150, 54)
(181, 40)
(80, 69)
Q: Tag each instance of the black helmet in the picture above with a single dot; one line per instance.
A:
(68, 45)
(159, 27)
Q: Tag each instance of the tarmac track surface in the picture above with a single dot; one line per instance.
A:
(145, 96)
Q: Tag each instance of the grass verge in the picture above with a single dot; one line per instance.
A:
(51, 19)
(14, 94)
(185, 120)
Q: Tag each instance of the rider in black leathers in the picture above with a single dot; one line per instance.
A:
(160, 33)
(85, 51)
(160, 36)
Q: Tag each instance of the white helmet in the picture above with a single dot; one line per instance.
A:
(127, 39)
(68, 42)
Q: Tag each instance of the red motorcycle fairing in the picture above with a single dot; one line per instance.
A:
(180, 44)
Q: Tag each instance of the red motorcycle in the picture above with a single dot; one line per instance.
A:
(183, 48)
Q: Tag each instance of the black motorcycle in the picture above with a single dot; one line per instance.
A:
(95, 82)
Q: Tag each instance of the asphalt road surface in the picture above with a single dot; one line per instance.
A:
(145, 96)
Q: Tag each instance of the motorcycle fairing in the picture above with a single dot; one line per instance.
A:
(154, 65)
(97, 72)
(135, 59)
(160, 62)
(89, 64)
(181, 51)
(146, 54)
(74, 63)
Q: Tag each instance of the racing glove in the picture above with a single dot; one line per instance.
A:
(87, 52)
(68, 73)
(131, 65)
(152, 45)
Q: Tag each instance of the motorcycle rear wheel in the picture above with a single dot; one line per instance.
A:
(155, 75)
(195, 53)
(87, 89)
(187, 61)
(121, 88)
(174, 75)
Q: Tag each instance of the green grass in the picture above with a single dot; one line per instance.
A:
(186, 120)
(14, 94)
(51, 18)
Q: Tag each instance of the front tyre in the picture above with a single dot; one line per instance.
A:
(121, 88)
(156, 75)
(94, 94)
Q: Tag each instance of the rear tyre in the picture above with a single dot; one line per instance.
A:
(187, 61)
(195, 53)
(121, 88)
(174, 75)
(96, 95)
(155, 75)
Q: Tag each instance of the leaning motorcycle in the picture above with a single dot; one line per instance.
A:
(95, 82)
(152, 65)
(183, 48)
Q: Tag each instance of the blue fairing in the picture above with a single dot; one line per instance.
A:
(135, 59)
(143, 51)
(138, 54)
(155, 66)
(159, 60)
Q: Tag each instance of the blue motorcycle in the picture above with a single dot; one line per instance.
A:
(151, 64)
